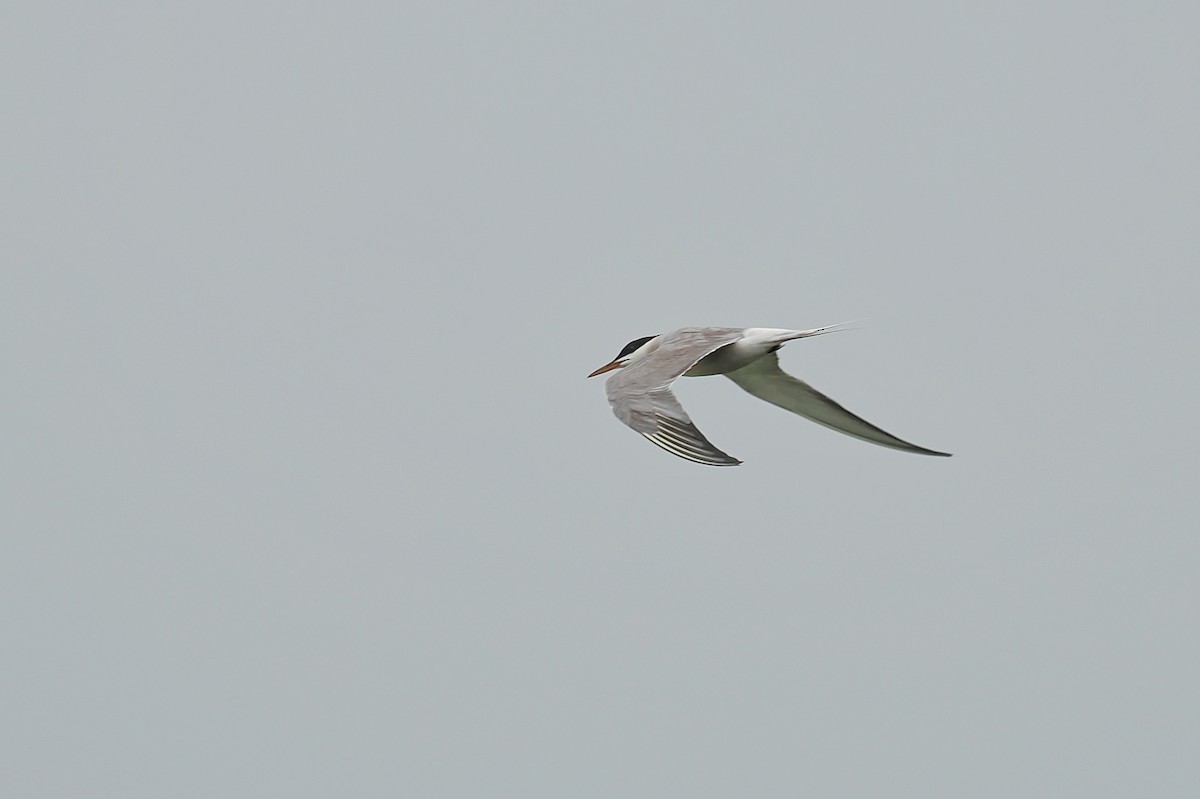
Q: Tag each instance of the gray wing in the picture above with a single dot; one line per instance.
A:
(764, 379)
(640, 394)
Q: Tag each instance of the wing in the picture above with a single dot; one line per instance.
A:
(764, 379)
(640, 394)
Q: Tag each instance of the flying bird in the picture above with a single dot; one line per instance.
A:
(640, 390)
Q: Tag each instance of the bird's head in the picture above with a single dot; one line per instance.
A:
(631, 352)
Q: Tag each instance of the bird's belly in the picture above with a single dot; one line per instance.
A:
(729, 358)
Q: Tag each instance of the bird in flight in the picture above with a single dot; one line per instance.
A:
(640, 389)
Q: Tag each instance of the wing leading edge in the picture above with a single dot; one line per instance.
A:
(764, 379)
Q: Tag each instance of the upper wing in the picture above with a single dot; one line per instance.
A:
(764, 379)
(640, 394)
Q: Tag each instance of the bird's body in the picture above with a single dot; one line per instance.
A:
(641, 397)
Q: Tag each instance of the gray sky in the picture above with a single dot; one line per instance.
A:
(307, 495)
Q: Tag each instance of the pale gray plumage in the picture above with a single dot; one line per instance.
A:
(640, 394)
(641, 397)
(764, 379)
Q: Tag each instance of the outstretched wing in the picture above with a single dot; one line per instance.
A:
(764, 379)
(640, 394)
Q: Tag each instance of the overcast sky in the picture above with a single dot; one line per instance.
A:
(306, 494)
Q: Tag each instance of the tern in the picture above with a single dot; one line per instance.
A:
(640, 392)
